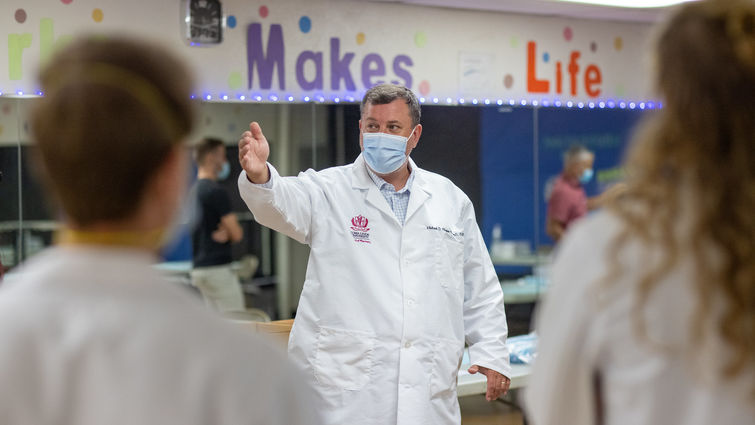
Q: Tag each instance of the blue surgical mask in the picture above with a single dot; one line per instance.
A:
(586, 176)
(225, 171)
(384, 153)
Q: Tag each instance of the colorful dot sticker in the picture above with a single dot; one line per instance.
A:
(514, 41)
(97, 15)
(20, 16)
(305, 24)
(424, 88)
(618, 43)
(508, 81)
(231, 21)
(593, 47)
(234, 80)
(264, 12)
(66, 1)
(546, 57)
(360, 38)
(420, 39)
(568, 34)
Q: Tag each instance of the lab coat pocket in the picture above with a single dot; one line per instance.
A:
(446, 361)
(449, 259)
(343, 358)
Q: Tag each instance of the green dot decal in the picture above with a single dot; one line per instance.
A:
(234, 80)
(420, 39)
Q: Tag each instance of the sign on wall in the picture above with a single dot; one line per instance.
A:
(333, 50)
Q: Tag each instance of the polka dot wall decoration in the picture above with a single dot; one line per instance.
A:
(231, 21)
(305, 24)
(568, 34)
(235, 81)
(360, 38)
(66, 1)
(508, 81)
(97, 15)
(424, 88)
(618, 43)
(264, 12)
(20, 16)
(420, 39)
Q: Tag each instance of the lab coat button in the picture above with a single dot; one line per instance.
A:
(411, 303)
(407, 344)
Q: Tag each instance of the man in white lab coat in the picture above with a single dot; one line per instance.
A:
(398, 277)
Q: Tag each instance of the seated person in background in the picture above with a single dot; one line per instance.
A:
(651, 315)
(568, 201)
(216, 228)
(91, 333)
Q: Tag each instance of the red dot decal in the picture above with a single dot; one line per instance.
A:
(264, 11)
(568, 33)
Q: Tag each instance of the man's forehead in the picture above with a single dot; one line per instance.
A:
(397, 110)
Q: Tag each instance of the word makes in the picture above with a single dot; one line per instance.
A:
(266, 61)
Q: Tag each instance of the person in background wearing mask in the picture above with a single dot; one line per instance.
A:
(568, 201)
(91, 333)
(398, 276)
(650, 317)
(216, 228)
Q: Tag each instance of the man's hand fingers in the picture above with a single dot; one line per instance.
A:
(256, 131)
(474, 369)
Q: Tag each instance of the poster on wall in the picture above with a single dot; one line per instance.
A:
(333, 50)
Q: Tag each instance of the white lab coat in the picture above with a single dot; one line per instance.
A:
(93, 336)
(386, 309)
(586, 334)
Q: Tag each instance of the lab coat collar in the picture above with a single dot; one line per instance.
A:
(420, 191)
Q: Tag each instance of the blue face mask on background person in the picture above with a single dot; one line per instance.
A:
(225, 171)
(586, 176)
(384, 153)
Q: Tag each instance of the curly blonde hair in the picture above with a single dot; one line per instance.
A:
(691, 171)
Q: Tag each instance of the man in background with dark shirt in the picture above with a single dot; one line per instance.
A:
(215, 230)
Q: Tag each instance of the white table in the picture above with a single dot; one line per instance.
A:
(525, 290)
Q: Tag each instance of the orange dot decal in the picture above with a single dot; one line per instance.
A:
(97, 15)
(618, 43)
(360, 38)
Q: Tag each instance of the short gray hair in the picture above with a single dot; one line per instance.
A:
(383, 94)
(576, 152)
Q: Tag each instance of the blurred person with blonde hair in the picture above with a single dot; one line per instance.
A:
(91, 333)
(651, 317)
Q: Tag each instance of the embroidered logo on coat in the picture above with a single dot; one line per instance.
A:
(359, 229)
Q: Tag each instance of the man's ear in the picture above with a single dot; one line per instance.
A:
(415, 137)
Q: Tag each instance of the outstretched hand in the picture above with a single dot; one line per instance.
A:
(498, 384)
(253, 154)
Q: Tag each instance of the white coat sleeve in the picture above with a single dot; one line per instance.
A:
(561, 389)
(284, 204)
(485, 326)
